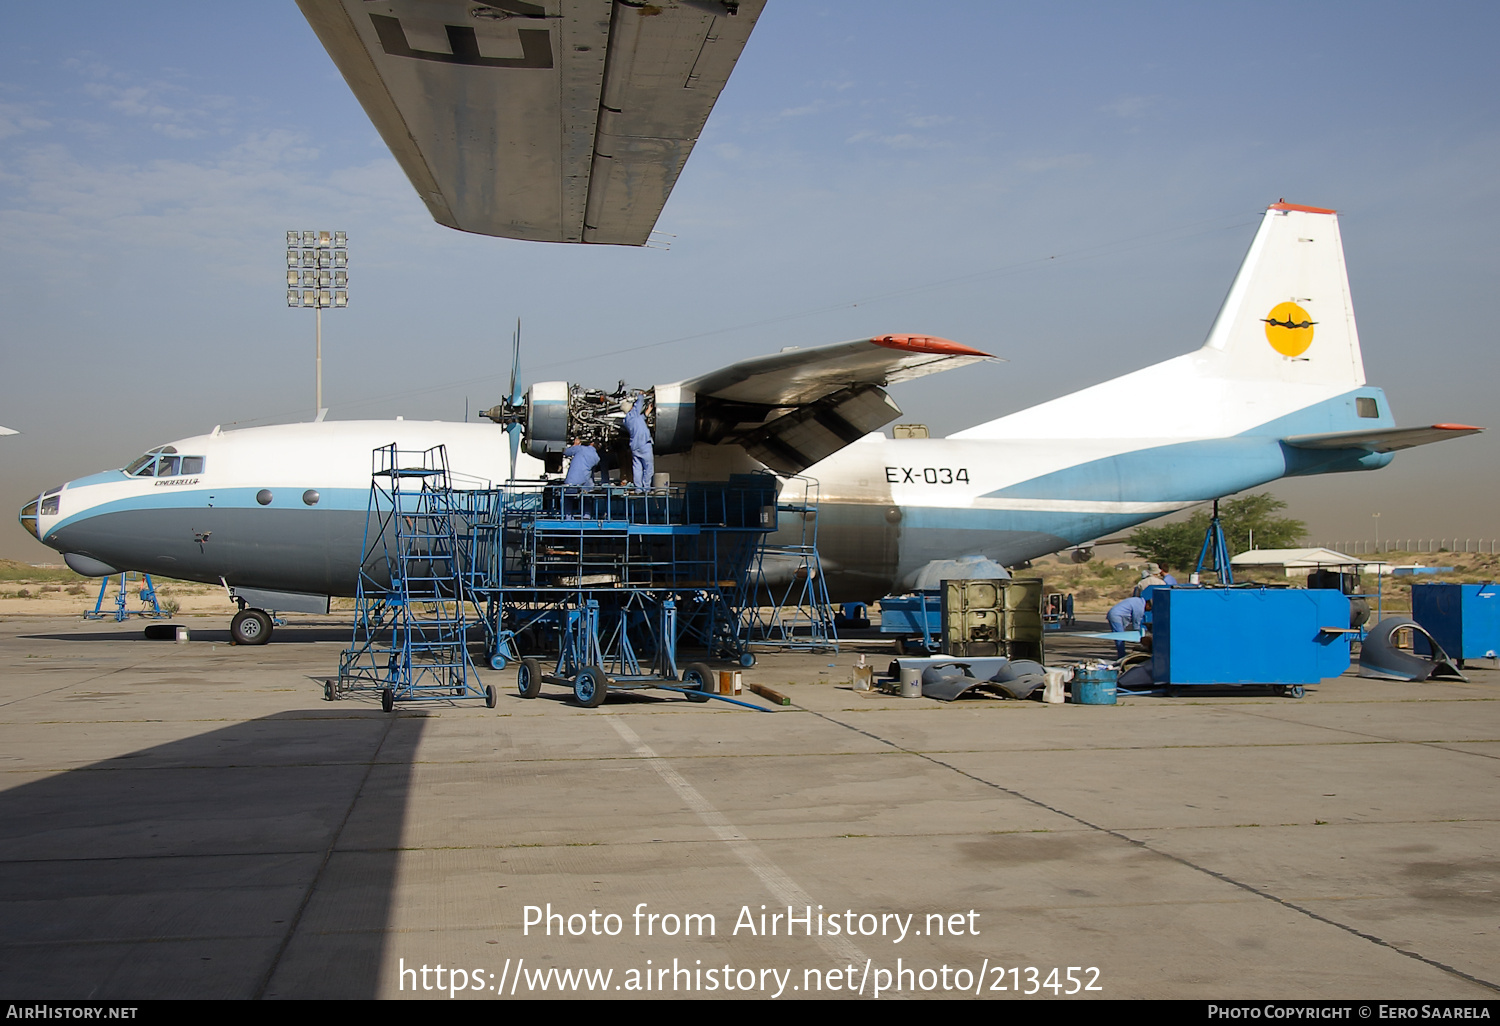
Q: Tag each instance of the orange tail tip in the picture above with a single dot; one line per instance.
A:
(926, 344)
(1284, 205)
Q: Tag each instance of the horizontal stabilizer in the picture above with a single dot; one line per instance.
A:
(1382, 439)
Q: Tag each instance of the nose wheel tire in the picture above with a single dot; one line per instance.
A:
(250, 627)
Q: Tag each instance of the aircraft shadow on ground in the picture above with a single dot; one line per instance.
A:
(288, 635)
(254, 860)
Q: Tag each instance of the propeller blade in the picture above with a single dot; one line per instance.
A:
(514, 427)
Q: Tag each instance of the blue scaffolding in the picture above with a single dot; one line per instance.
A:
(615, 582)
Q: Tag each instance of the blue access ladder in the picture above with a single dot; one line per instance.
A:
(411, 626)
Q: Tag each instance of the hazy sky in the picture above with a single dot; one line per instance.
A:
(1070, 186)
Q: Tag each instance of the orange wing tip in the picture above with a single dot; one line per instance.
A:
(1284, 205)
(1456, 427)
(927, 344)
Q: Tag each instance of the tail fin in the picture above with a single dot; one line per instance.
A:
(1288, 315)
(1284, 341)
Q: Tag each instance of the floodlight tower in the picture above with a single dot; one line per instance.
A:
(317, 276)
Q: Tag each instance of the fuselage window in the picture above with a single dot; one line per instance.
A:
(192, 465)
(1365, 406)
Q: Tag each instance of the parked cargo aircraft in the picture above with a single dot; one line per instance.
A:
(277, 513)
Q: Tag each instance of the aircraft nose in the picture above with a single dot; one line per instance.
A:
(28, 517)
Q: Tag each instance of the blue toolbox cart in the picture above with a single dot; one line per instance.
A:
(918, 617)
(1463, 618)
(1283, 638)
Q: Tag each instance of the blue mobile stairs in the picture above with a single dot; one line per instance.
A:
(411, 623)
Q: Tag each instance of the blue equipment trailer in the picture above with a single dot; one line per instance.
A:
(1284, 638)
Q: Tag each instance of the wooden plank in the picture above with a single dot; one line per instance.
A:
(767, 693)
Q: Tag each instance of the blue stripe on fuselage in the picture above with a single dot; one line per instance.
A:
(218, 498)
(1208, 468)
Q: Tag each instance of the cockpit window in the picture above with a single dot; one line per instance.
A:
(159, 463)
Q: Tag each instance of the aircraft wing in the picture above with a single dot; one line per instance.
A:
(1382, 439)
(793, 408)
(554, 120)
(8, 431)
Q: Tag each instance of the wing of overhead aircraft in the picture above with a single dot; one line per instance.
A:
(793, 408)
(553, 121)
(8, 431)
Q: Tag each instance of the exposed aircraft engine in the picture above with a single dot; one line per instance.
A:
(1082, 554)
(553, 413)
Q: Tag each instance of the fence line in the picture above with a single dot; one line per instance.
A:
(1451, 546)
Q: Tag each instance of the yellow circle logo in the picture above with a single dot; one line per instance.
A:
(1289, 329)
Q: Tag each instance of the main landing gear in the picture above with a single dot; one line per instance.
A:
(250, 627)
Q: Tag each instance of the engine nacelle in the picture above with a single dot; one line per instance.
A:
(556, 412)
(1082, 554)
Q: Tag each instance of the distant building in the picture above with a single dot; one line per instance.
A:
(1299, 562)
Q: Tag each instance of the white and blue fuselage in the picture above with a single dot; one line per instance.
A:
(1276, 390)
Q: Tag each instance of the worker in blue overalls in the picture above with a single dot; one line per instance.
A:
(1126, 615)
(582, 459)
(642, 458)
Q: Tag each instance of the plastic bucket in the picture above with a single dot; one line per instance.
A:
(1053, 692)
(1095, 687)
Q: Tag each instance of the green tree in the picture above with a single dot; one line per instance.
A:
(1177, 545)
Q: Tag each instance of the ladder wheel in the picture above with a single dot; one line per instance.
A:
(489, 696)
(529, 678)
(699, 677)
(388, 699)
(590, 687)
(747, 659)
